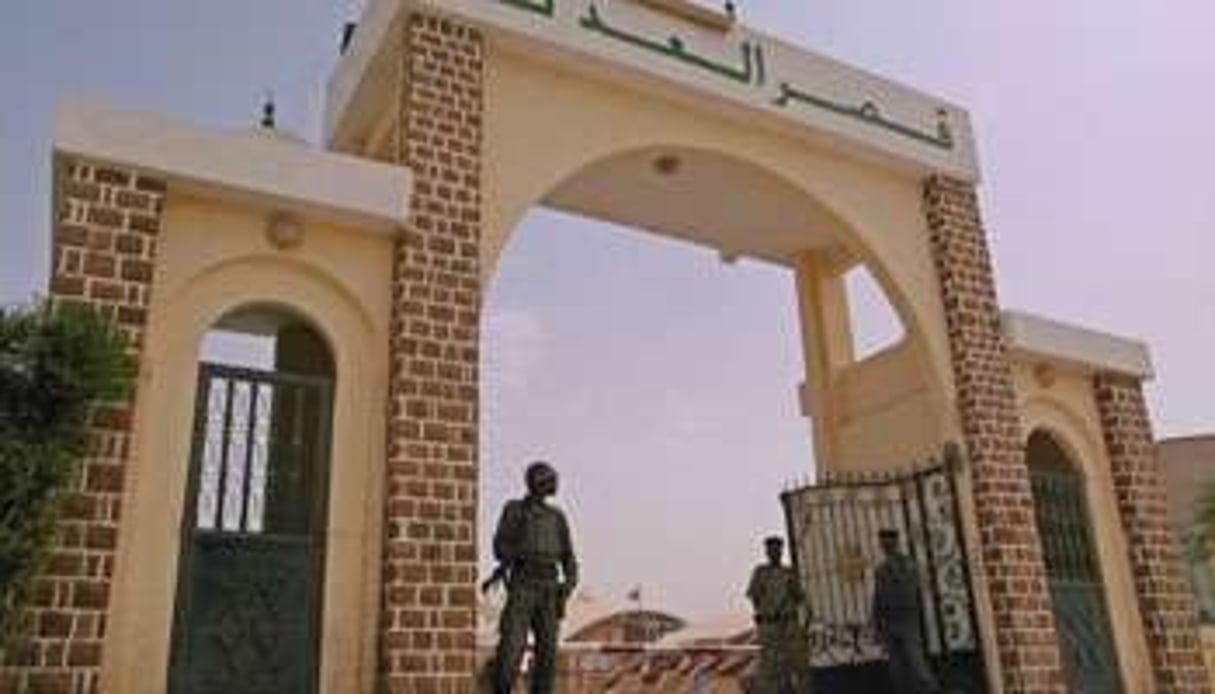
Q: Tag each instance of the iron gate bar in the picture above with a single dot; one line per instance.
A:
(953, 468)
(250, 429)
(933, 579)
(910, 538)
(222, 489)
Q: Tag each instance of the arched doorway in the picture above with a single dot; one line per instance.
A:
(1073, 572)
(249, 597)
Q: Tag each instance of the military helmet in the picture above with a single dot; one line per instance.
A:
(538, 474)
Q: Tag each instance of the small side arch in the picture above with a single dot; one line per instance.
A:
(144, 597)
(1075, 571)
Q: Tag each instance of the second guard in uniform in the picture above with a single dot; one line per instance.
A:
(779, 604)
(896, 616)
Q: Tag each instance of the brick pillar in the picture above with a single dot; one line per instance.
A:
(1170, 617)
(1012, 565)
(106, 226)
(429, 580)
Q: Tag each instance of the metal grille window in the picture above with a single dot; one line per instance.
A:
(1090, 662)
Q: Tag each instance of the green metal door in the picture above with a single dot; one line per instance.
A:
(1090, 661)
(252, 554)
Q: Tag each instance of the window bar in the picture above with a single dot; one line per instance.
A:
(250, 430)
(225, 433)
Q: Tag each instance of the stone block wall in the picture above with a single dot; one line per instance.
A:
(427, 628)
(107, 220)
(1012, 564)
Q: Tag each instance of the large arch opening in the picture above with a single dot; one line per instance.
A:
(659, 371)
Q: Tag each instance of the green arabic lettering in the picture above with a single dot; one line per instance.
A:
(541, 7)
(675, 48)
(869, 112)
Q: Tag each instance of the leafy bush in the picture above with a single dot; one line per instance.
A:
(54, 361)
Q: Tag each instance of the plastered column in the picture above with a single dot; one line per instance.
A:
(826, 346)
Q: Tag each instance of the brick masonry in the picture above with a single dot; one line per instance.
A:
(1012, 564)
(106, 227)
(1170, 618)
(427, 625)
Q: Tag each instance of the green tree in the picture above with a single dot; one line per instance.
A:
(1197, 542)
(54, 362)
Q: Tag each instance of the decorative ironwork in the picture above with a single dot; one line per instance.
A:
(1077, 593)
(249, 628)
(248, 603)
(833, 530)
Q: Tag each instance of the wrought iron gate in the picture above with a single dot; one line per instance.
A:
(833, 529)
(1077, 593)
(252, 553)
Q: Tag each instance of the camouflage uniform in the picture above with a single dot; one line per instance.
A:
(777, 597)
(896, 615)
(533, 540)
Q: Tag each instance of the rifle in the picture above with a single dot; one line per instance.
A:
(500, 574)
(563, 596)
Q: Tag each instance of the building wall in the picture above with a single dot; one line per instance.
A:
(213, 258)
(887, 392)
(1188, 463)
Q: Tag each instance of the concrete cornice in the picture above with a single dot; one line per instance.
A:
(246, 166)
(1073, 347)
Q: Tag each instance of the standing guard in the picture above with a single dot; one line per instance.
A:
(896, 617)
(532, 544)
(779, 605)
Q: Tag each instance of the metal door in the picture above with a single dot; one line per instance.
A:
(1090, 662)
(252, 553)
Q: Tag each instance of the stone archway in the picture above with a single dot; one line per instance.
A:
(490, 131)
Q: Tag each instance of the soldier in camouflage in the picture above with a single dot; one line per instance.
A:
(532, 541)
(779, 602)
(896, 617)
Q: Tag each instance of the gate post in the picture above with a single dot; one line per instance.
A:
(427, 621)
(1170, 617)
(1011, 564)
(106, 225)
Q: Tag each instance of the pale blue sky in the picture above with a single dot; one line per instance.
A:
(648, 364)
